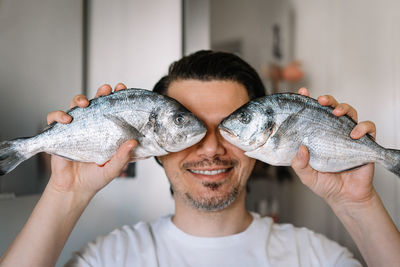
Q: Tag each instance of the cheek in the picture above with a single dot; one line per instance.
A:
(168, 161)
(252, 162)
(246, 163)
(172, 161)
(247, 167)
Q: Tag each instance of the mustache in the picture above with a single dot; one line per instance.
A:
(210, 162)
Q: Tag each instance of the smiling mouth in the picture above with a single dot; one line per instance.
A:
(210, 172)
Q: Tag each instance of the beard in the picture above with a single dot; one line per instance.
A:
(212, 203)
(214, 196)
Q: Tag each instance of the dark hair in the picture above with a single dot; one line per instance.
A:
(207, 65)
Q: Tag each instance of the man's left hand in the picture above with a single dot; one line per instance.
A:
(353, 186)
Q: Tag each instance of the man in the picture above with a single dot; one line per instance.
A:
(211, 226)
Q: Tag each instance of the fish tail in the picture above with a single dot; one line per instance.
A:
(392, 161)
(11, 155)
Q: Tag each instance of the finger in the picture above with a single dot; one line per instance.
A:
(119, 86)
(303, 91)
(363, 128)
(301, 160)
(345, 109)
(58, 116)
(120, 159)
(103, 90)
(327, 100)
(302, 168)
(80, 101)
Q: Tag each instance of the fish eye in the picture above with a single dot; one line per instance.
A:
(244, 118)
(179, 119)
(153, 116)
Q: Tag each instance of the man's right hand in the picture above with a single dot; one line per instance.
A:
(87, 178)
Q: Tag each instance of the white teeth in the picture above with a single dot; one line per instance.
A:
(209, 172)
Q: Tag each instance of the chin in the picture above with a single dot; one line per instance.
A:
(213, 199)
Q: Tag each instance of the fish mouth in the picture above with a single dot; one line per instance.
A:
(234, 139)
(226, 132)
(193, 139)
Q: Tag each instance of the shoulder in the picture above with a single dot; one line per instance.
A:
(112, 249)
(310, 246)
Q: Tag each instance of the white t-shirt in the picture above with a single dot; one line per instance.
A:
(263, 243)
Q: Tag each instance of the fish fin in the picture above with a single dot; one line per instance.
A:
(10, 156)
(132, 132)
(391, 161)
(286, 128)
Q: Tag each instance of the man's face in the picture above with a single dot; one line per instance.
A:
(211, 174)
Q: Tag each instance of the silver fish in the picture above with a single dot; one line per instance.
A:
(272, 128)
(159, 123)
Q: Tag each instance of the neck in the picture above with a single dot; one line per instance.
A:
(228, 221)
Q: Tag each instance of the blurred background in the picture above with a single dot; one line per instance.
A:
(53, 50)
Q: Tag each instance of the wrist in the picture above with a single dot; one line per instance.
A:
(72, 197)
(67, 187)
(353, 195)
(353, 207)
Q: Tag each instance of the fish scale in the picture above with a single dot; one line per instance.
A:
(275, 126)
(159, 123)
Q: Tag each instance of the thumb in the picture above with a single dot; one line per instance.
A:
(119, 160)
(300, 162)
(301, 167)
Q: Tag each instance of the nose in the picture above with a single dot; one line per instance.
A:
(211, 145)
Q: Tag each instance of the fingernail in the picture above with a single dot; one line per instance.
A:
(338, 111)
(300, 154)
(66, 118)
(131, 145)
(355, 133)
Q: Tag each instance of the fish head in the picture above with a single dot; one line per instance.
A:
(248, 127)
(176, 128)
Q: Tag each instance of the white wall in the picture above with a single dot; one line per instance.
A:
(132, 41)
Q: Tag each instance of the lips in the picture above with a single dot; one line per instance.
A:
(210, 175)
(209, 172)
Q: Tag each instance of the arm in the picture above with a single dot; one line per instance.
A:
(352, 197)
(71, 186)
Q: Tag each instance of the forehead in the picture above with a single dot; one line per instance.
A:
(209, 99)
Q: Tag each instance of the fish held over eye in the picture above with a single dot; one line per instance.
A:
(272, 128)
(159, 123)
